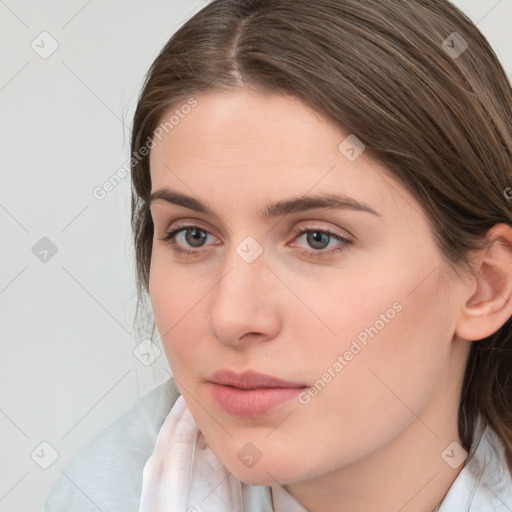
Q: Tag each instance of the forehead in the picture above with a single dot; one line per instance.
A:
(237, 126)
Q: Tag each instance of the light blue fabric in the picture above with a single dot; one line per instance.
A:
(107, 475)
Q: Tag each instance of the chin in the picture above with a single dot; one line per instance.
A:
(265, 473)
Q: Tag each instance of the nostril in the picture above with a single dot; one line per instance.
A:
(251, 334)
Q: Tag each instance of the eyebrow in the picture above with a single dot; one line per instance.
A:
(276, 209)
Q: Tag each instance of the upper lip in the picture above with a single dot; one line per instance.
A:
(250, 379)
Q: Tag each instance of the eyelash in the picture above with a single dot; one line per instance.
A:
(169, 239)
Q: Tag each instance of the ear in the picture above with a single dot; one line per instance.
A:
(489, 302)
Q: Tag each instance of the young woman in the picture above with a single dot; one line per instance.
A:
(322, 222)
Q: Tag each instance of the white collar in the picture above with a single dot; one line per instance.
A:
(484, 483)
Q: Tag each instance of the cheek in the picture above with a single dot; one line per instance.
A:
(179, 310)
(387, 326)
(391, 341)
(337, 312)
(393, 345)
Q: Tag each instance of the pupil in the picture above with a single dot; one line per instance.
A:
(195, 237)
(318, 240)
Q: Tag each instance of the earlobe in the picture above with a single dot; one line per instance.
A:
(489, 306)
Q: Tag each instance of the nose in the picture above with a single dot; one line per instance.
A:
(244, 305)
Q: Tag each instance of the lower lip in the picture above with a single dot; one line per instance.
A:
(252, 402)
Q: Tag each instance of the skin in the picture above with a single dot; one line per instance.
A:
(372, 438)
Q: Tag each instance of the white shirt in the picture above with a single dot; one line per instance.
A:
(107, 474)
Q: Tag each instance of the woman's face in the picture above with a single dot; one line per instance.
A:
(297, 257)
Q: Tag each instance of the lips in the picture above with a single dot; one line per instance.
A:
(251, 380)
(251, 394)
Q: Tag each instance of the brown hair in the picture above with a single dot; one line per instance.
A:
(438, 115)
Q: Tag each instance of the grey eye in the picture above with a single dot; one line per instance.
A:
(195, 237)
(318, 239)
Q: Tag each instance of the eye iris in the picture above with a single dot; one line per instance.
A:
(318, 240)
(195, 237)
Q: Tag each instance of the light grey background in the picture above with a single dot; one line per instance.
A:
(67, 367)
